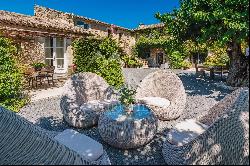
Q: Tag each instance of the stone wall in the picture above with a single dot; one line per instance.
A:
(153, 56)
(47, 14)
(69, 53)
(31, 50)
(126, 41)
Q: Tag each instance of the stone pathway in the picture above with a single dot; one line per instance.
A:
(36, 95)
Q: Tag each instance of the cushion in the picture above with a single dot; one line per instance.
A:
(185, 131)
(155, 101)
(80, 143)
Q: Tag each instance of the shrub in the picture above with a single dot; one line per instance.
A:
(108, 48)
(110, 70)
(221, 60)
(186, 64)
(10, 77)
(131, 61)
(176, 60)
(84, 52)
(38, 65)
(100, 56)
(127, 95)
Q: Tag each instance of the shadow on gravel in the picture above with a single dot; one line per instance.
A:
(202, 86)
(53, 124)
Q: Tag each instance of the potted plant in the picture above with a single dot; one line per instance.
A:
(38, 66)
(127, 98)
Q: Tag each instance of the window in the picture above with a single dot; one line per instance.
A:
(82, 24)
(55, 52)
(49, 51)
(86, 26)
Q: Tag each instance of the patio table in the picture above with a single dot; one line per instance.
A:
(127, 131)
(36, 76)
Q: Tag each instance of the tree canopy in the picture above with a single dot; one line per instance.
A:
(214, 21)
(209, 20)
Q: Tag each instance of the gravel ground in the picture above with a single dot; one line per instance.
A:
(202, 94)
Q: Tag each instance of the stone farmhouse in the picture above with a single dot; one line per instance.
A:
(47, 36)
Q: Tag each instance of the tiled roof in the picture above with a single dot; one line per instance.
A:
(151, 26)
(10, 18)
(86, 18)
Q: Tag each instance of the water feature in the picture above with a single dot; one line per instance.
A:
(139, 112)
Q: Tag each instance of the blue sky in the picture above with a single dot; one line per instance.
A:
(126, 13)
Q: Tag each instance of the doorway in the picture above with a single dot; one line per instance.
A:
(55, 53)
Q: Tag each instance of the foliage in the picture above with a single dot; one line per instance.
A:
(219, 56)
(176, 59)
(152, 39)
(10, 77)
(209, 20)
(131, 61)
(38, 65)
(190, 48)
(186, 64)
(110, 70)
(108, 48)
(84, 51)
(100, 56)
(177, 52)
(127, 95)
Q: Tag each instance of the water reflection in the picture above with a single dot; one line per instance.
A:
(139, 112)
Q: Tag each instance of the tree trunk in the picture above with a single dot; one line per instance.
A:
(238, 75)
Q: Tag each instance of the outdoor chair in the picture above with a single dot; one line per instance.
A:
(164, 93)
(50, 74)
(219, 137)
(41, 75)
(200, 70)
(85, 97)
(23, 143)
(29, 75)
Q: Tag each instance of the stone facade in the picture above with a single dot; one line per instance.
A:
(31, 32)
(122, 35)
(154, 56)
(158, 57)
(32, 50)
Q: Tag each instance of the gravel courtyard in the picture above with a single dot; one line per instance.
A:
(202, 94)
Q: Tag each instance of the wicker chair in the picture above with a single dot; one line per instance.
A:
(225, 140)
(166, 85)
(23, 143)
(85, 96)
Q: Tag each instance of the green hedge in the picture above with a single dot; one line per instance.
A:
(10, 77)
(100, 56)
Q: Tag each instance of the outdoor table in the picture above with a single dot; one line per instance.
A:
(126, 131)
(36, 75)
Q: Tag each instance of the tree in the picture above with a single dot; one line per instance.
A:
(209, 21)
